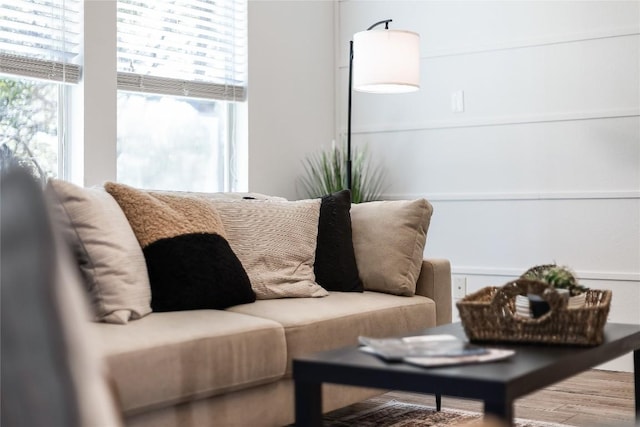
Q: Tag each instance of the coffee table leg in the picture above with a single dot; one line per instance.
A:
(636, 382)
(308, 402)
(500, 410)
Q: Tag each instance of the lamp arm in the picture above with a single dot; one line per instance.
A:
(385, 22)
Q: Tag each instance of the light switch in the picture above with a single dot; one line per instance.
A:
(457, 101)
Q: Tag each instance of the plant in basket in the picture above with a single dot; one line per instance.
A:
(560, 278)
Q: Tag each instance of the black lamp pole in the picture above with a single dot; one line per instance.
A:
(386, 27)
(349, 116)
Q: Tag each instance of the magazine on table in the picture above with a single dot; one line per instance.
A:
(431, 350)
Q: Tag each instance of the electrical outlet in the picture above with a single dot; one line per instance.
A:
(459, 287)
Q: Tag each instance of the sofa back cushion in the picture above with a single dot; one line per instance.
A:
(107, 252)
(191, 265)
(388, 240)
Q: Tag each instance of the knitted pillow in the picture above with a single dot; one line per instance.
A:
(335, 265)
(191, 265)
(276, 242)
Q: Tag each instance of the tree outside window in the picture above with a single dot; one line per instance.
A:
(29, 126)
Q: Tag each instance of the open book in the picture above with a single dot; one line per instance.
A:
(431, 350)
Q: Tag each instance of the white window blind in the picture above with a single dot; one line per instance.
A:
(194, 48)
(41, 39)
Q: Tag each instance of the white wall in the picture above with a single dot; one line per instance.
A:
(291, 89)
(544, 163)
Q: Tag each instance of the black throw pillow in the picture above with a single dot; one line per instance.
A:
(190, 263)
(335, 264)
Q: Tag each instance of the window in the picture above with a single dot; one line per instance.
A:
(39, 40)
(172, 143)
(181, 76)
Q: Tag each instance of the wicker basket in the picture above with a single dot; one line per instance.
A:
(489, 315)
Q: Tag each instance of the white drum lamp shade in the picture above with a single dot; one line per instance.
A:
(386, 61)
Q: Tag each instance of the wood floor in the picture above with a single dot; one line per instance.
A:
(594, 398)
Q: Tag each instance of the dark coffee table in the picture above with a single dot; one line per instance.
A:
(497, 384)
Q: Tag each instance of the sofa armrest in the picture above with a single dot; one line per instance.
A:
(435, 282)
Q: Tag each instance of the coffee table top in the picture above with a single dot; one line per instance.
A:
(532, 367)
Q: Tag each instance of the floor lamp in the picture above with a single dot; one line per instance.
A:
(382, 61)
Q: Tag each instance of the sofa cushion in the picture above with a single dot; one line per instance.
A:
(325, 323)
(276, 242)
(335, 264)
(103, 243)
(191, 265)
(388, 240)
(166, 358)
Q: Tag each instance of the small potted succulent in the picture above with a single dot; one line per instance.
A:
(560, 278)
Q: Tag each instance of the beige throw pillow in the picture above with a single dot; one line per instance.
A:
(388, 240)
(106, 249)
(276, 243)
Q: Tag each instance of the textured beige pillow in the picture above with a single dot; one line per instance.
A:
(388, 240)
(107, 251)
(276, 243)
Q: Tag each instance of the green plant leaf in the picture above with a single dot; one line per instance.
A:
(326, 172)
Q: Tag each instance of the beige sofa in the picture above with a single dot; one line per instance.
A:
(232, 367)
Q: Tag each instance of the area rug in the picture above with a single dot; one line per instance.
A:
(400, 414)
